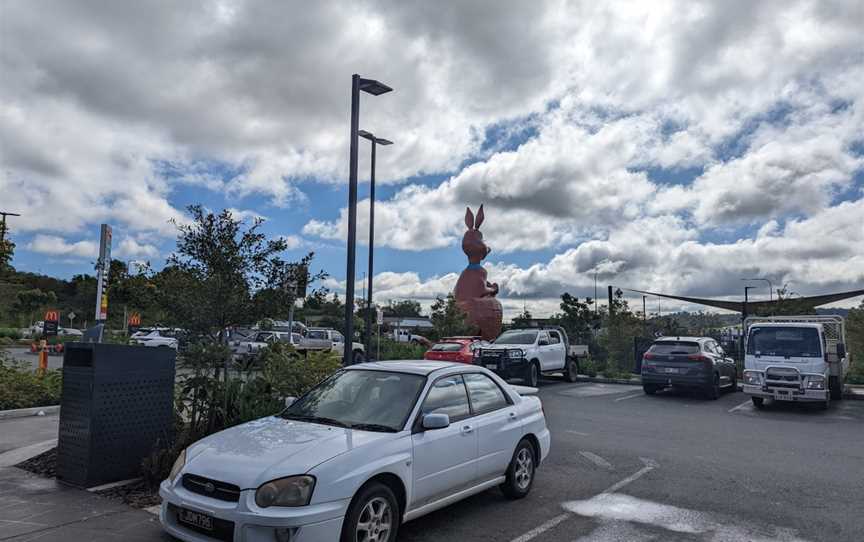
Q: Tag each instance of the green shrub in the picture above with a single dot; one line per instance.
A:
(390, 349)
(856, 372)
(22, 387)
(10, 333)
(292, 375)
(588, 366)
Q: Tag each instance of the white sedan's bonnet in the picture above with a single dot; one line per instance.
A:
(262, 450)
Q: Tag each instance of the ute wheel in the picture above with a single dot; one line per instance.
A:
(758, 402)
(358, 357)
(532, 374)
(571, 371)
(713, 390)
(650, 389)
(373, 516)
(835, 387)
(520, 473)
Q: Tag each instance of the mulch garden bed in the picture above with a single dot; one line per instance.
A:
(135, 494)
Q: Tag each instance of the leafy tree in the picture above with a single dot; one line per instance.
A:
(210, 281)
(448, 319)
(405, 308)
(7, 250)
(27, 302)
(855, 344)
(578, 318)
(622, 326)
(788, 304)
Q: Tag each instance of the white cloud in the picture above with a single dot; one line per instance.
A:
(129, 248)
(245, 214)
(57, 246)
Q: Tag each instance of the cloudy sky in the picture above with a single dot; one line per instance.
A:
(669, 146)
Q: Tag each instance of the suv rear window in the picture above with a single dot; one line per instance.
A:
(674, 347)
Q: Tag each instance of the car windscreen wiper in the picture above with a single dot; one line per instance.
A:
(315, 419)
(373, 427)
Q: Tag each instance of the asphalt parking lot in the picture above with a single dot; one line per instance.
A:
(630, 467)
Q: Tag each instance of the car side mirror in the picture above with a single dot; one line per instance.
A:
(290, 401)
(436, 421)
(841, 351)
(721, 351)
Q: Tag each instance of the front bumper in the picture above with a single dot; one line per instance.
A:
(500, 363)
(785, 394)
(312, 523)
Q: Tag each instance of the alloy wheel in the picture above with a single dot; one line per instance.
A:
(375, 521)
(524, 468)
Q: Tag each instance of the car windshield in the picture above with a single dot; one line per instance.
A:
(674, 347)
(447, 347)
(317, 335)
(790, 342)
(261, 337)
(516, 337)
(360, 399)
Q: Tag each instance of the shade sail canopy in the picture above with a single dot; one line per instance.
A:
(758, 306)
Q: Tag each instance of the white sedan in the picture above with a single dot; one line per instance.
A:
(155, 339)
(371, 447)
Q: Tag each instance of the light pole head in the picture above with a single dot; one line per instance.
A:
(371, 137)
(373, 87)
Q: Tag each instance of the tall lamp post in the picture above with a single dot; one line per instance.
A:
(375, 142)
(374, 88)
(743, 318)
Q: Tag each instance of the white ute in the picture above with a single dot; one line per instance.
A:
(795, 358)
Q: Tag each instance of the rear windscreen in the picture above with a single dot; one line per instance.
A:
(447, 347)
(674, 347)
(797, 342)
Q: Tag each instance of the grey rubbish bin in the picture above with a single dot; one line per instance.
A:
(116, 404)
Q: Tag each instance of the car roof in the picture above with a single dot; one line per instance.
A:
(682, 338)
(414, 366)
(786, 324)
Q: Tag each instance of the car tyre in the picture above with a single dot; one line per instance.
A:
(532, 374)
(520, 472)
(571, 371)
(650, 389)
(758, 402)
(713, 390)
(375, 512)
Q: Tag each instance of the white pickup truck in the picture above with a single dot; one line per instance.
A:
(795, 358)
(526, 353)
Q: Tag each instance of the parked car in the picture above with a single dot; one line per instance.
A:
(458, 349)
(688, 362)
(405, 336)
(251, 345)
(371, 447)
(156, 338)
(526, 353)
(795, 358)
(70, 332)
(336, 342)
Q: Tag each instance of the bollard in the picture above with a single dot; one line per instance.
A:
(43, 361)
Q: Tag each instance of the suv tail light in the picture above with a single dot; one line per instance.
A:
(647, 355)
(697, 357)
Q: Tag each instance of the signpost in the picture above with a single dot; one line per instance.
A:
(51, 324)
(103, 265)
(71, 316)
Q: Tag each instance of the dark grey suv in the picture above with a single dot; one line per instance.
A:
(689, 362)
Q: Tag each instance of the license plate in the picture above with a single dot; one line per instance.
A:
(671, 370)
(491, 366)
(196, 519)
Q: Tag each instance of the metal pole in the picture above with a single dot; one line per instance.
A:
(352, 221)
(644, 310)
(595, 292)
(371, 252)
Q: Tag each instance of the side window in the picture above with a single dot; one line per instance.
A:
(542, 338)
(448, 396)
(337, 337)
(485, 394)
(709, 347)
(554, 338)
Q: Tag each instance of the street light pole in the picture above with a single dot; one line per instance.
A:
(375, 142)
(743, 319)
(374, 88)
(3, 224)
(770, 286)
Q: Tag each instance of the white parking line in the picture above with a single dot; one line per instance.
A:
(629, 397)
(537, 531)
(597, 460)
(739, 407)
(650, 465)
(580, 433)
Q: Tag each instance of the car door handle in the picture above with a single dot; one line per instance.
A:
(467, 429)
(512, 415)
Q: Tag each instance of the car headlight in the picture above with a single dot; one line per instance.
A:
(816, 383)
(178, 466)
(290, 491)
(754, 378)
(515, 353)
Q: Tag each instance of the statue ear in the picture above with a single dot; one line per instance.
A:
(469, 218)
(479, 218)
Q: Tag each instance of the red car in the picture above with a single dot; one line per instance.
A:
(460, 349)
